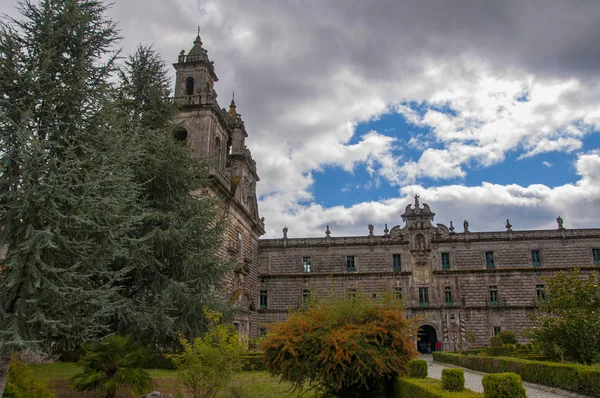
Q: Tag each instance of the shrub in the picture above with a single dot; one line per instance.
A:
(495, 341)
(346, 346)
(503, 385)
(22, 383)
(253, 361)
(453, 379)
(580, 379)
(207, 364)
(428, 388)
(507, 337)
(417, 368)
(504, 351)
(572, 307)
(112, 363)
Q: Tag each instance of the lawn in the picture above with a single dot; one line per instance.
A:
(245, 384)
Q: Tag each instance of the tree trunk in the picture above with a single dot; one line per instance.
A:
(4, 364)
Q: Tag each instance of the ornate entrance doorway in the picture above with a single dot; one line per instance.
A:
(427, 337)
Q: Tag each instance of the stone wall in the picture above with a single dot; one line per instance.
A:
(514, 275)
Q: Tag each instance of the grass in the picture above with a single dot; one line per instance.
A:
(255, 384)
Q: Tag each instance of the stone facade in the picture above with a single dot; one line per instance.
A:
(453, 282)
(220, 133)
(477, 282)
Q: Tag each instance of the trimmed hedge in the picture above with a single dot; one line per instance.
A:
(417, 368)
(503, 385)
(495, 341)
(253, 360)
(453, 379)
(428, 388)
(580, 379)
(504, 351)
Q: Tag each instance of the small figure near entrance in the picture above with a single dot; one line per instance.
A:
(438, 346)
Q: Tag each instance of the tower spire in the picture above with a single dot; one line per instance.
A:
(232, 110)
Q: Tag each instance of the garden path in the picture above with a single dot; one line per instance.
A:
(473, 381)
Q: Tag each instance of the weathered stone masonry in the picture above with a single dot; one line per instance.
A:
(490, 280)
(420, 244)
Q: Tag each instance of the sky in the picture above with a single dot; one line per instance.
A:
(486, 110)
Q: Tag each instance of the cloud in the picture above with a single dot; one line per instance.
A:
(482, 79)
(486, 206)
(547, 164)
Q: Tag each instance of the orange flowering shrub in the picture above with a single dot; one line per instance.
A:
(346, 347)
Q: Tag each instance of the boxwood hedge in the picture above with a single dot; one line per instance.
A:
(580, 379)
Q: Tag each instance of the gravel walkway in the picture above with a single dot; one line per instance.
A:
(473, 381)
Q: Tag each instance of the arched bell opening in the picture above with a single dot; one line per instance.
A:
(180, 134)
(189, 86)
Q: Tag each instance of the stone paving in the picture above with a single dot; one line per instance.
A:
(473, 381)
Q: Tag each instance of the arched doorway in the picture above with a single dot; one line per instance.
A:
(427, 337)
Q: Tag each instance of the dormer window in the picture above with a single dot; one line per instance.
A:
(189, 86)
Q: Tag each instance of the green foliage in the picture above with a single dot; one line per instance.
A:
(253, 361)
(503, 385)
(507, 337)
(112, 363)
(428, 388)
(453, 379)
(571, 309)
(22, 383)
(347, 346)
(470, 337)
(504, 351)
(207, 364)
(495, 341)
(580, 379)
(175, 271)
(144, 86)
(67, 199)
(417, 368)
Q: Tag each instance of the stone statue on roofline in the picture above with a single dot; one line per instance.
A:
(559, 221)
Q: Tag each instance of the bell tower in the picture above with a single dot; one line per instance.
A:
(221, 135)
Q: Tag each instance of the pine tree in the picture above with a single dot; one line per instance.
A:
(67, 197)
(176, 272)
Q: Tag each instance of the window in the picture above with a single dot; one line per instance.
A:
(306, 264)
(189, 86)
(218, 154)
(239, 243)
(398, 293)
(497, 329)
(305, 295)
(262, 332)
(445, 260)
(180, 134)
(350, 264)
(423, 297)
(536, 259)
(373, 295)
(263, 300)
(397, 260)
(540, 293)
(596, 255)
(236, 325)
(448, 295)
(489, 259)
(351, 292)
(494, 295)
